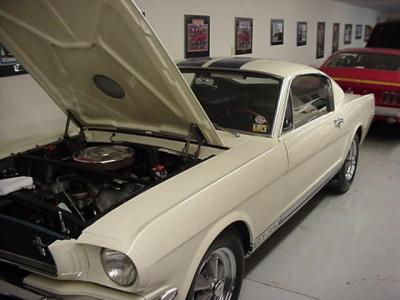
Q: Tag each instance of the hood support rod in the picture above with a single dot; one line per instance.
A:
(194, 131)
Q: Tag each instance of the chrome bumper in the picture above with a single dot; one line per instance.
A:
(42, 288)
(387, 111)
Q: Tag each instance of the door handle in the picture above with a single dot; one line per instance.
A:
(338, 121)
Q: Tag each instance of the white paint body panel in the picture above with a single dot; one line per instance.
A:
(167, 229)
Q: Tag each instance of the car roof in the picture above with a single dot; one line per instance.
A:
(274, 67)
(371, 50)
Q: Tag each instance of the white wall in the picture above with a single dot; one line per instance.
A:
(394, 16)
(167, 18)
(26, 111)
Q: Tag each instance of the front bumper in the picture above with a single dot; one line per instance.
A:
(391, 114)
(38, 287)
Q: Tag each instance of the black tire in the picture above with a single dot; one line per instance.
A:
(344, 178)
(229, 244)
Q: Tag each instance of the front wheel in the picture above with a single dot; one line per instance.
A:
(344, 178)
(220, 273)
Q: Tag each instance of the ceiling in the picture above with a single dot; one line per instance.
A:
(384, 6)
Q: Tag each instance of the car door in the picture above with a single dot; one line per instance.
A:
(312, 136)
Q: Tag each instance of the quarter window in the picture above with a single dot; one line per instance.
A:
(311, 97)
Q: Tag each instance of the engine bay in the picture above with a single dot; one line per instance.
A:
(66, 186)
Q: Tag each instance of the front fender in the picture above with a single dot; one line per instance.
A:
(183, 261)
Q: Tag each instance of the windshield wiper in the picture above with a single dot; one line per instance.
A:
(219, 127)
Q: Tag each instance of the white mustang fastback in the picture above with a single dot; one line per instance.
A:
(166, 175)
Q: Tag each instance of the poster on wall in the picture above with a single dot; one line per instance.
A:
(197, 36)
(320, 39)
(358, 32)
(347, 33)
(243, 35)
(335, 37)
(277, 31)
(301, 33)
(8, 64)
(367, 32)
(6, 57)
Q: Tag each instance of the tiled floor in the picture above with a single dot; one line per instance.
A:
(339, 247)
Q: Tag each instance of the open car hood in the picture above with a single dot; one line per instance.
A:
(101, 61)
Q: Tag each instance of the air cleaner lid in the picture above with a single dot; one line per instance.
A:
(104, 154)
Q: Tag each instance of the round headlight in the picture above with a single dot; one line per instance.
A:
(118, 267)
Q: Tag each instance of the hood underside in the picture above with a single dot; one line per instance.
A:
(101, 60)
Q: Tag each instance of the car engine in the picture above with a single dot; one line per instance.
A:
(66, 186)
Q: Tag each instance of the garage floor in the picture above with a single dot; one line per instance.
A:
(339, 247)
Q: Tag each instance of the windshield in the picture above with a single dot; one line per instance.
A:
(240, 101)
(365, 61)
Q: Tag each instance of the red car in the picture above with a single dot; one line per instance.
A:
(369, 70)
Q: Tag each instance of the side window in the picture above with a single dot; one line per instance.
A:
(311, 97)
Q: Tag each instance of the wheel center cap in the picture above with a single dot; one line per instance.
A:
(218, 288)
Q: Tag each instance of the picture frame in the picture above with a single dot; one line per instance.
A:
(335, 37)
(197, 36)
(358, 32)
(243, 35)
(277, 31)
(9, 66)
(347, 34)
(367, 32)
(320, 39)
(6, 58)
(301, 39)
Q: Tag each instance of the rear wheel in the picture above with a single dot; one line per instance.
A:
(220, 273)
(344, 178)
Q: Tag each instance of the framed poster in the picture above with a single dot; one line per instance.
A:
(6, 57)
(243, 35)
(358, 32)
(8, 64)
(197, 36)
(301, 33)
(335, 37)
(367, 32)
(320, 39)
(277, 31)
(347, 33)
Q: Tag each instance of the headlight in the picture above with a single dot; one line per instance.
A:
(118, 267)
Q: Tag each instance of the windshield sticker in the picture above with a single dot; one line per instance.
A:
(259, 119)
(259, 128)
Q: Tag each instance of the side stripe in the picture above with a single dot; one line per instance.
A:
(367, 81)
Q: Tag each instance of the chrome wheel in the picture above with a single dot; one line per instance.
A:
(344, 178)
(217, 276)
(351, 161)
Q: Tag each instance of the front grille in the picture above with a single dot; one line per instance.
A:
(392, 98)
(26, 245)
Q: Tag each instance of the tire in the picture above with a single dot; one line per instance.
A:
(344, 178)
(220, 273)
